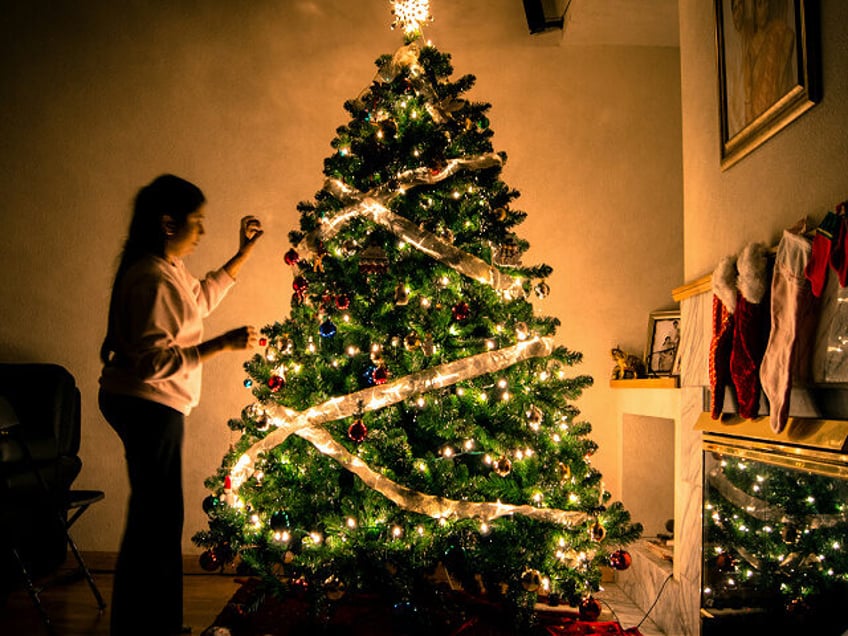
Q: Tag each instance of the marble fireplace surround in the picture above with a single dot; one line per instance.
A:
(677, 610)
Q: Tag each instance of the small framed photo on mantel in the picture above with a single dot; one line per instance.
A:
(663, 343)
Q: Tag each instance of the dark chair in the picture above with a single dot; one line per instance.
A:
(39, 445)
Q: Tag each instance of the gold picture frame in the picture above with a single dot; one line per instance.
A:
(769, 70)
(663, 342)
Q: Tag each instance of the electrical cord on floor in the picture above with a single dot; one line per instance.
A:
(612, 611)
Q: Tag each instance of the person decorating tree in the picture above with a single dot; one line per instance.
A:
(153, 355)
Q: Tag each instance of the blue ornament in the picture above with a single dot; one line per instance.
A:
(369, 375)
(248, 383)
(327, 329)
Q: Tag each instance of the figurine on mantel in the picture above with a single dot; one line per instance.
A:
(627, 366)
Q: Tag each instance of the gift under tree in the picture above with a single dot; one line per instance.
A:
(412, 425)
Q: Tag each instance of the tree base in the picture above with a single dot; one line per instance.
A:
(252, 612)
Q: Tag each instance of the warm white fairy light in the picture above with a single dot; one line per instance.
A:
(397, 532)
(351, 523)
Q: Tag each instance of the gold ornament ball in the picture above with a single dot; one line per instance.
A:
(531, 580)
(334, 588)
(502, 466)
(597, 532)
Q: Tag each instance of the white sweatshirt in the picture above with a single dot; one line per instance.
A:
(159, 324)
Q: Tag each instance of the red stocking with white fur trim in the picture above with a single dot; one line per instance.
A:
(750, 329)
(724, 304)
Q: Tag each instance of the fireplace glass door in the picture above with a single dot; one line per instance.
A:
(775, 544)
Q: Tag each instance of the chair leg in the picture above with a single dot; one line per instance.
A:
(33, 594)
(101, 604)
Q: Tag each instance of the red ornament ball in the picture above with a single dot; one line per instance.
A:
(590, 609)
(300, 285)
(620, 559)
(461, 311)
(380, 375)
(291, 257)
(210, 561)
(725, 562)
(276, 382)
(357, 431)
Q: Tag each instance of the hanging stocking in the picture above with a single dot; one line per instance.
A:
(724, 304)
(839, 249)
(793, 315)
(823, 243)
(749, 328)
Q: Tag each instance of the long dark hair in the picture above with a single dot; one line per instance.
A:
(165, 195)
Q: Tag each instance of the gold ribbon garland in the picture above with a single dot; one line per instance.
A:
(764, 511)
(373, 205)
(307, 425)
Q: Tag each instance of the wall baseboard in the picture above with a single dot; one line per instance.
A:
(105, 562)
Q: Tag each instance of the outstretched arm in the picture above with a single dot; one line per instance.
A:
(249, 232)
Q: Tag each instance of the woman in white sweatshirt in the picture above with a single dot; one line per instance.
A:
(152, 358)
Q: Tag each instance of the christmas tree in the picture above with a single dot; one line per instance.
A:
(413, 425)
(775, 544)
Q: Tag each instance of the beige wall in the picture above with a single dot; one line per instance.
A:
(801, 171)
(243, 98)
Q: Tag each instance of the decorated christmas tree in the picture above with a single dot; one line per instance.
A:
(412, 427)
(775, 544)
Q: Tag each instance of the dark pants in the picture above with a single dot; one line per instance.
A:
(147, 597)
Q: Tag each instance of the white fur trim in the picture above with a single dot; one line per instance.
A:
(752, 264)
(724, 282)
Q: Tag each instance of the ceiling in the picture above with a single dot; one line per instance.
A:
(616, 22)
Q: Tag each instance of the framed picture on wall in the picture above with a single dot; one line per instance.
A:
(663, 341)
(769, 70)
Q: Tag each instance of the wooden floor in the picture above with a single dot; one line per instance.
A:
(73, 609)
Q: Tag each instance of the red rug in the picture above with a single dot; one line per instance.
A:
(250, 613)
